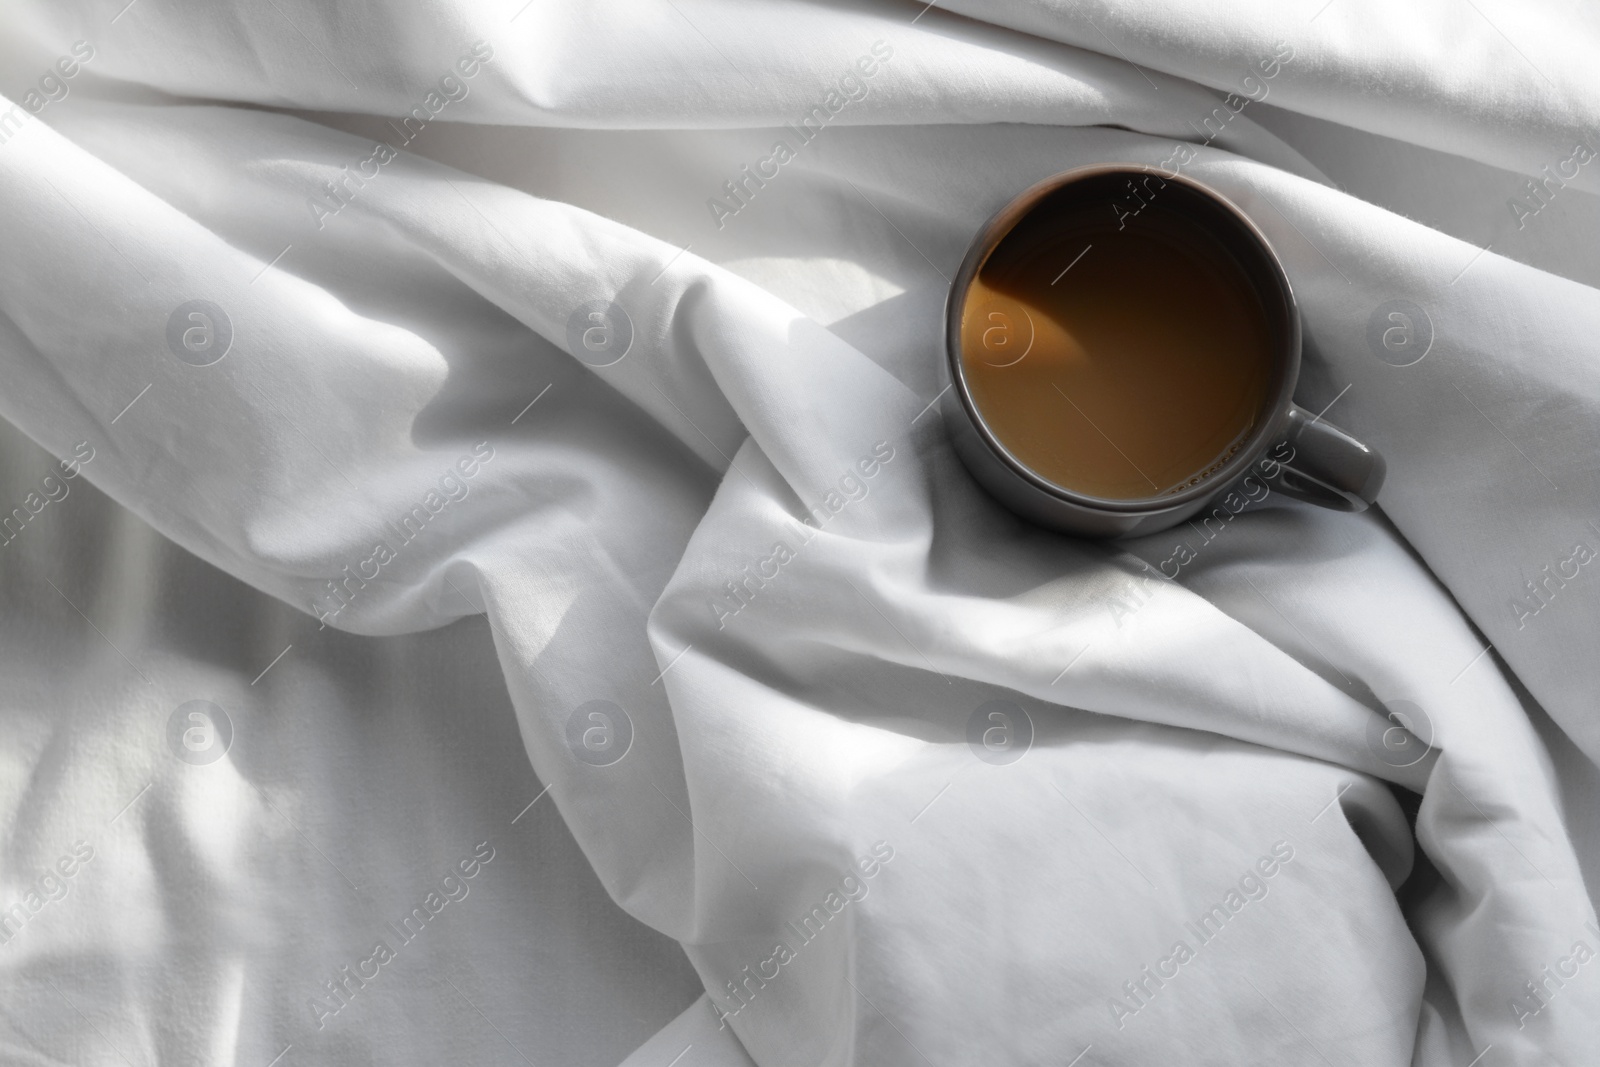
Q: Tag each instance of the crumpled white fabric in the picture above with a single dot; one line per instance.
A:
(795, 744)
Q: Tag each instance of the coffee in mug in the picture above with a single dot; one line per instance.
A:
(1118, 360)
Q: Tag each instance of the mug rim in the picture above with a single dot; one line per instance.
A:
(1274, 411)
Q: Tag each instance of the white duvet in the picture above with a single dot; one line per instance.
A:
(485, 581)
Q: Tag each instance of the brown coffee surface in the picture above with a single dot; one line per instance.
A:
(1117, 363)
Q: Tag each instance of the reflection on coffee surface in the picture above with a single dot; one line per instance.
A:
(1119, 363)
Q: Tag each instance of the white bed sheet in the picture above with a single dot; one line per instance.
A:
(809, 750)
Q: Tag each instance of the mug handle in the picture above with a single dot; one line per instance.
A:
(1327, 466)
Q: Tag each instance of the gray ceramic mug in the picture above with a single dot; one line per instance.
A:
(1293, 452)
